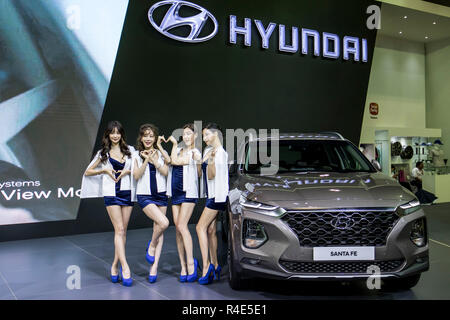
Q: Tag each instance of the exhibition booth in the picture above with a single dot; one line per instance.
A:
(407, 111)
(222, 137)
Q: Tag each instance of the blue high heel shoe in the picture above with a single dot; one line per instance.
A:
(208, 278)
(150, 259)
(193, 277)
(217, 273)
(183, 278)
(152, 279)
(127, 282)
(114, 279)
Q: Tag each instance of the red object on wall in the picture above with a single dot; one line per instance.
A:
(374, 108)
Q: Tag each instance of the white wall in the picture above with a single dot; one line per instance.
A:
(397, 84)
(438, 89)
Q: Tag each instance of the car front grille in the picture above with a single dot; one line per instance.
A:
(341, 267)
(341, 228)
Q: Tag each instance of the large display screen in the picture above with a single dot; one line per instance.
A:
(56, 62)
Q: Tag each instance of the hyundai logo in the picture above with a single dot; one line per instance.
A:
(342, 222)
(172, 19)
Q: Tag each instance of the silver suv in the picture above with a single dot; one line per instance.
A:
(327, 213)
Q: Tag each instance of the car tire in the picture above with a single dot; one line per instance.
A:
(403, 283)
(234, 277)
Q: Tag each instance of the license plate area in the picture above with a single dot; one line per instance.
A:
(343, 253)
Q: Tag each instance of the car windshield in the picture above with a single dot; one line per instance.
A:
(308, 156)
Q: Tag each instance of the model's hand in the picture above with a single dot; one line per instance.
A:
(111, 173)
(212, 156)
(196, 156)
(145, 154)
(122, 173)
(153, 157)
(172, 139)
(160, 139)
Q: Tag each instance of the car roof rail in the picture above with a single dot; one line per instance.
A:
(336, 134)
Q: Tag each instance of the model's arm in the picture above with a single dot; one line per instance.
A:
(162, 168)
(197, 157)
(174, 158)
(91, 171)
(139, 171)
(211, 169)
(164, 152)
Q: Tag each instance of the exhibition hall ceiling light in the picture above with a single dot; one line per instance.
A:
(413, 25)
(406, 17)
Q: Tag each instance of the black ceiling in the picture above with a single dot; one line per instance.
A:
(441, 2)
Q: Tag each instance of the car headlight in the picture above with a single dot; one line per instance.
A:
(419, 232)
(410, 207)
(253, 234)
(266, 209)
(256, 205)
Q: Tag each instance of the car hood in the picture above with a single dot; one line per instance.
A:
(326, 190)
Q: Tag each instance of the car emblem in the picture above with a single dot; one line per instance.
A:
(342, 222)
(172, 20)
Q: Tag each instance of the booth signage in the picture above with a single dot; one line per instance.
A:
(327, 44)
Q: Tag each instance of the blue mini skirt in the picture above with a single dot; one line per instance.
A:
(220, 206)
(159, 199)
(178, 195)
(122, 198)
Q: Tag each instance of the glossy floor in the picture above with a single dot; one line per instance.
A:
(40, 269)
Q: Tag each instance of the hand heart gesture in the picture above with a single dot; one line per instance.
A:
(161, 139)
(172, 139)
(145, 154)
(153, 156)
(111, 173)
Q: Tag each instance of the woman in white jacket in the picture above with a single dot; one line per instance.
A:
(215, 187)
(182, 187)
(150, 170)
(108, 176)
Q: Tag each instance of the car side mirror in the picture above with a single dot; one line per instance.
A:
(376, 164)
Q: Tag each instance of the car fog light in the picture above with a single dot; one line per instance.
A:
(253, 234)
(419, 233)
(251, 261)
(420, 260)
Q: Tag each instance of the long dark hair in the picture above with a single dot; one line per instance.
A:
(147, 126)
(106, 142)
(190, 126)
(213, 127)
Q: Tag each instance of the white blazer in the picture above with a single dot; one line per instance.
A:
(217, 187)
(102, 185)
(190, 176)
(143, 184)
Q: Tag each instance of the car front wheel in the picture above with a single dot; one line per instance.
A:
(234, 277)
